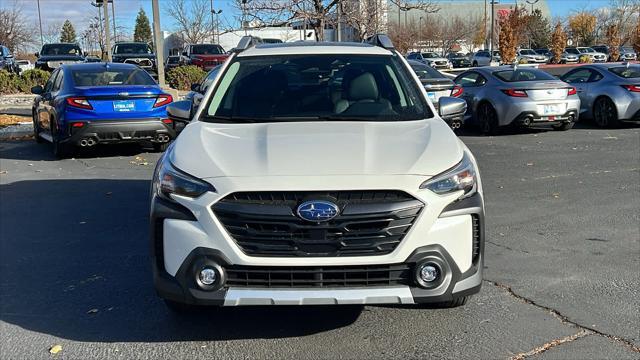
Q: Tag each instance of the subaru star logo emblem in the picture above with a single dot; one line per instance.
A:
(317, 210)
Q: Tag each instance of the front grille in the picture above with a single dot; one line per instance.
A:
(327, 276)
(369, 223)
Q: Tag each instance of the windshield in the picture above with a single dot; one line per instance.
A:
(456, 55)
(61, 49)
(522, 75)
(626, 72)
(207, 49)
(106, 77)
(426, 72)
(430, 55)
(572, 51)
(316, 87)
(173, 60)
(132, 49)
(527, 52)
(586, 50)
(626, 49)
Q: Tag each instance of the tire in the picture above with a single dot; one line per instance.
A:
(160, 147)
(36, 130)
(564, 126)
(605, 114)
(488, 119)
(456, 302)
(459, 301)
(60, 150)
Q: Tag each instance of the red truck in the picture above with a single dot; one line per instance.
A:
(206, 56)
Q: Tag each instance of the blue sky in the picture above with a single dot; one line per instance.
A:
(79, 11)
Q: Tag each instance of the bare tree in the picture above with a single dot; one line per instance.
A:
(365, 18)
(314, 13)
(15, 33)
(51, 32)
(193, 19)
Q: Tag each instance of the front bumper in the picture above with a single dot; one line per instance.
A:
(180, 246)
(119, 131)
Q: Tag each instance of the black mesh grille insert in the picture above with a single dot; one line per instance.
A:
(328, 276)
(476, 237)
(369, 223)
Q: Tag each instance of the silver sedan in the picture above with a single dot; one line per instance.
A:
(610, 93)
(522, 96)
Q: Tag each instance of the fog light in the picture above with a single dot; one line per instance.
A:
(429, 273)
(207, 276)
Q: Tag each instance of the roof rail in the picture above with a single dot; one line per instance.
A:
(381, 40)
(246, 42)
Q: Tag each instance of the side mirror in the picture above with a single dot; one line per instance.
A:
(37, 54)
(449, 107)
(179, 111)
(37, 90)
(195, 87)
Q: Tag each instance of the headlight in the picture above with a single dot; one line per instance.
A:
(168, 180)
(461, 177)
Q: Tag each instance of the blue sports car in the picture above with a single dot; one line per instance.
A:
(88, 104)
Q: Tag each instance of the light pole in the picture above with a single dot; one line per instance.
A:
(213, 33)
(40, 22)
(158, 41)
(421, 32)
(113, 12)
(218, 26)
(98, 5)
(532, 2)
(106, 32)
(493, 2)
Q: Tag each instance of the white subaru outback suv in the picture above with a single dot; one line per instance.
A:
(317, 174)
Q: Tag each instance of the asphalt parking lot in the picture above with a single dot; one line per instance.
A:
(562, 272)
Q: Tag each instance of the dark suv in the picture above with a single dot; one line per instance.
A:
(51, 56)
(7, 62)
(137, 53)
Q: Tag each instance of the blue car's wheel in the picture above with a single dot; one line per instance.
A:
(60, 150)
(36, 129)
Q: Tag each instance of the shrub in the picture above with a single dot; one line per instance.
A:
(11, 83)
(7, 82)
(182, 77)
(31, 78)
(585, 59)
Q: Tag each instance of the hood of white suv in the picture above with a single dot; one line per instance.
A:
(426, 147)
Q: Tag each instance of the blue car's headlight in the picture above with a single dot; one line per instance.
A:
(169, 180)
(461, 177)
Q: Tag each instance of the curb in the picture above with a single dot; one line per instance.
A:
(16, 131)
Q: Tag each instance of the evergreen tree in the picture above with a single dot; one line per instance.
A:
(68, 33)
(142, 31)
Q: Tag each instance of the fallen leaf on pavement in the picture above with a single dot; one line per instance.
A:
(556, 195)
(55, 349)
(92, 311)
